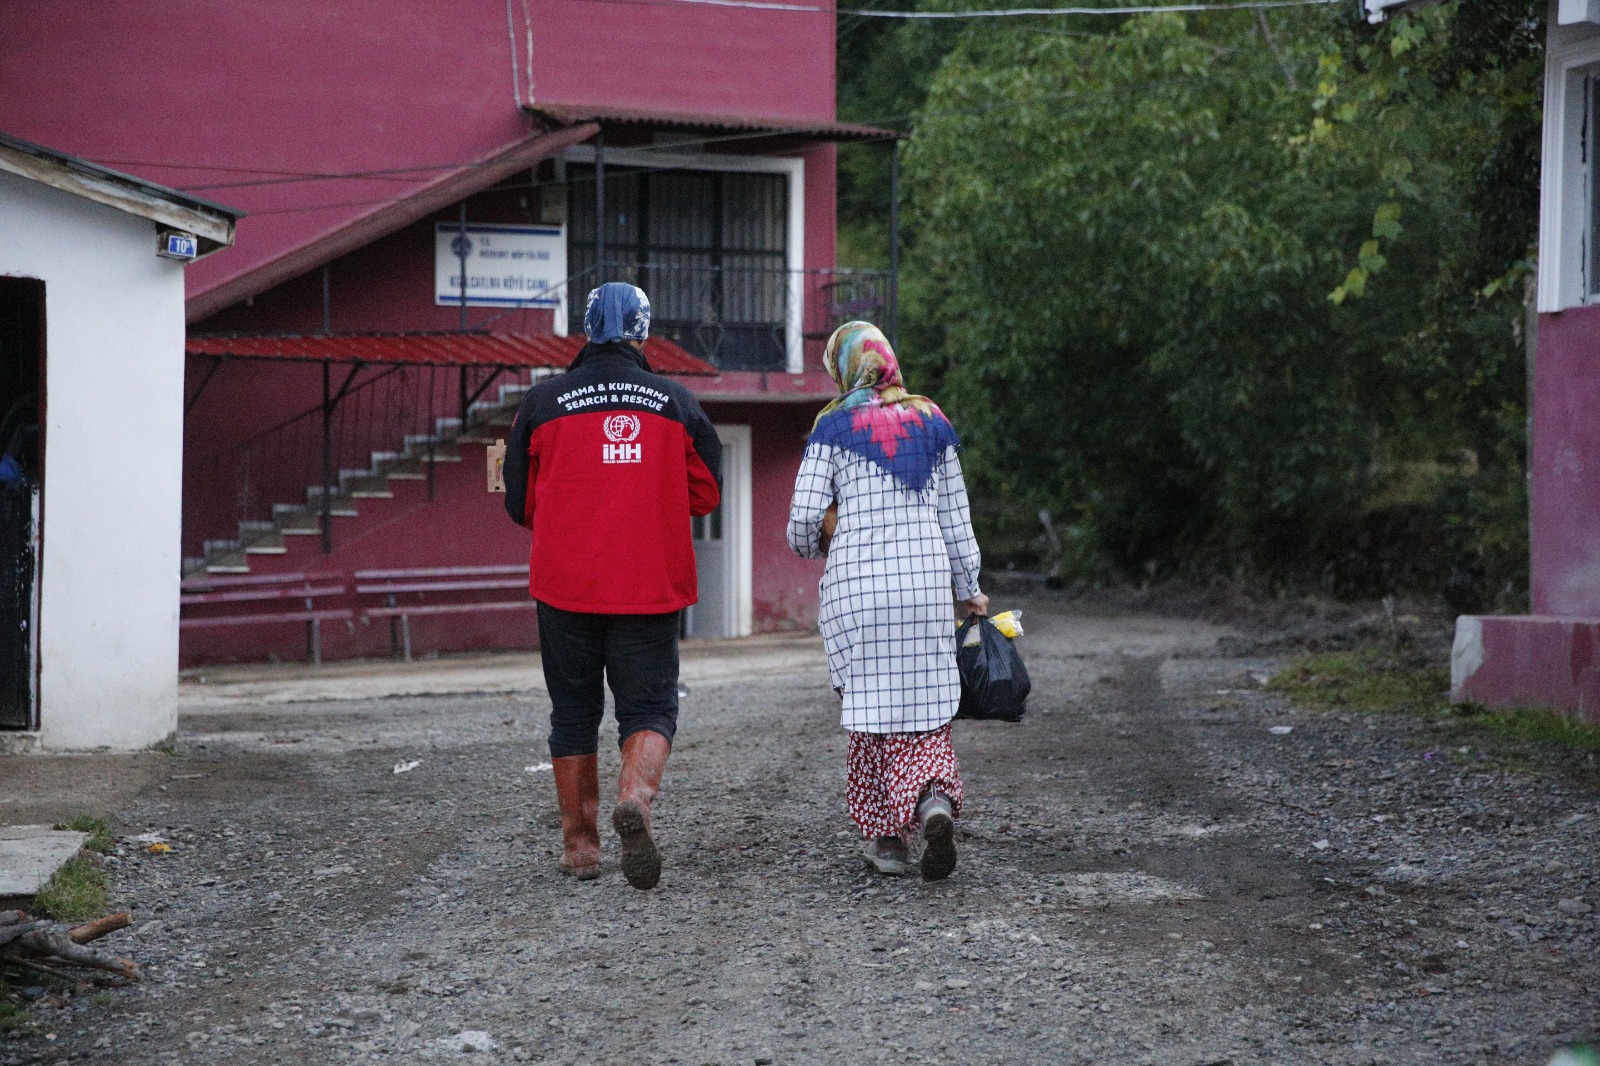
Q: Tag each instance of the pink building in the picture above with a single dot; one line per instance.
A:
(1551, 658)
(421, 184)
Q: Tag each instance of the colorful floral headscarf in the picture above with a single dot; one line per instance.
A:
(861, 363)
(875, 416)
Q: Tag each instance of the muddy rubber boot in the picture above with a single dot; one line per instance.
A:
(578, 794)
(937, 818)
(644, 757)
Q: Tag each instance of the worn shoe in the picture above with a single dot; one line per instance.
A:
(936, 816)
(578, 793)
(644, 759)
(888, 856)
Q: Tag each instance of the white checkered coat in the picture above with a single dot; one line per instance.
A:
(897, 562)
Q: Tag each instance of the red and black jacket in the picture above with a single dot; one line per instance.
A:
(605, 464)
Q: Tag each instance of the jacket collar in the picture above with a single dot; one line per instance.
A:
(610, 352)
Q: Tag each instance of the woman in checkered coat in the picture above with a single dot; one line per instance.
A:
(901, 552)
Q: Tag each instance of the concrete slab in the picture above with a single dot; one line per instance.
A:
(250, 686)
(31, 854)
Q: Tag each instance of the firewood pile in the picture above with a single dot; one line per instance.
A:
(57, 949)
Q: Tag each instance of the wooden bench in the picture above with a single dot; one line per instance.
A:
(390, 585)
(261, 589)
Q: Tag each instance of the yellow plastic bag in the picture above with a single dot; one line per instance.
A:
(1009, 623)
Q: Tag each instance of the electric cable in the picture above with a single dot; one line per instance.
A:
(286, 177)
(670, 147)
(1009, 12)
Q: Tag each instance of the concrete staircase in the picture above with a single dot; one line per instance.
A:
(487, 420)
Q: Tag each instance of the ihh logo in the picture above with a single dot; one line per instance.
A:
(623, 453)
(623, 430)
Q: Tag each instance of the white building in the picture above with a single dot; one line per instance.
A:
(91, 441)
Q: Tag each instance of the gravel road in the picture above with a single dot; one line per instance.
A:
(1149, 874)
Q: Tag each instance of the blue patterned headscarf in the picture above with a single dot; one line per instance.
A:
(617, 311)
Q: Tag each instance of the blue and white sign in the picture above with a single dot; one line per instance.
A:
(183, 246)
(506, 265)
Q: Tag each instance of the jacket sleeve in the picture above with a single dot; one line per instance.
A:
(813, 494)
(520, 469)
(704, 460)
(955, 523)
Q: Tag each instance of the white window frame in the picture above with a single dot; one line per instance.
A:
(1566, 194)
(792, 167)
(738, 601)
(737, 528)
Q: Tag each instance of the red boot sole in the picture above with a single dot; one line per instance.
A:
(641, 860)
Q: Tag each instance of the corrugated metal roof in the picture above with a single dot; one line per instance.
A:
(435, 349)
(571, 114)
(261, 269)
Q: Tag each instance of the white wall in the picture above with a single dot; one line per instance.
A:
(113, 473)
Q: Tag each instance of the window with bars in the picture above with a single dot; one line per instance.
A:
(709, 247)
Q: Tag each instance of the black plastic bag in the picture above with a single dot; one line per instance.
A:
(994, 683)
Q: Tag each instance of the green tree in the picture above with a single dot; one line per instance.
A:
(1205, 285)
(884, 68)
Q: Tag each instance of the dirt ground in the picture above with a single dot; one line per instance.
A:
(1149, 873)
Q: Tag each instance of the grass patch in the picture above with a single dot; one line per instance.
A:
(13, 1016)
(1542, 726)
(1370, 679)
(1386, 680)
(101, 841)
(78, 892)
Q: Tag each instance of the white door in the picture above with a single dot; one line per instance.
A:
(722, 548)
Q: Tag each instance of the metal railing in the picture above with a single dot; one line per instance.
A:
(318, 458)
(739, 317)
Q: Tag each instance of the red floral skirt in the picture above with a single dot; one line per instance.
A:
(890, 772)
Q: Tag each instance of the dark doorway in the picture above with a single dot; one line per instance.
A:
(21, 484)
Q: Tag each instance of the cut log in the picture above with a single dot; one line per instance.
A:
(14, 930)
(100, 927)
(43, 943)
(36, 944)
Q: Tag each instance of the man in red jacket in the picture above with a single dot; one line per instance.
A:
(606, 464)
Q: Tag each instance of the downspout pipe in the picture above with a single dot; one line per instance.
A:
(600, 207)
(894, 244)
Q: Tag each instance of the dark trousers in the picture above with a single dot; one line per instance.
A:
(636, 653)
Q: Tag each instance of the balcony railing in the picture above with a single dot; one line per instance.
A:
(749, 318)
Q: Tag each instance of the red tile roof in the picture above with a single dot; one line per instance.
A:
(436, 349)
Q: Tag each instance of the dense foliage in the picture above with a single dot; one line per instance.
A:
(1239, 291)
